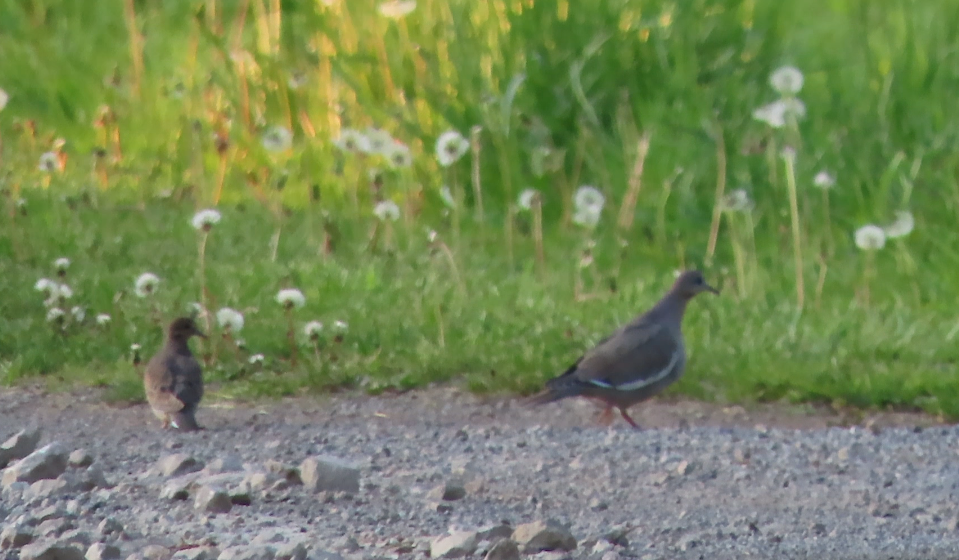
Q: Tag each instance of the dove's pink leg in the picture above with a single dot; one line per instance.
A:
(622, 411)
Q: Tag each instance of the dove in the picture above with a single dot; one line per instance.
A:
(638, 360)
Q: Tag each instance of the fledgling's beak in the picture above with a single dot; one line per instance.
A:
(709, 288)
(199, 333)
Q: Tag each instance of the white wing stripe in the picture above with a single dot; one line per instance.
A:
(642, 382)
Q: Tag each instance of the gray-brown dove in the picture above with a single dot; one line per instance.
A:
(637, 361)
(173, 379)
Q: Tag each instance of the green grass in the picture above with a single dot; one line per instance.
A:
(139, 124)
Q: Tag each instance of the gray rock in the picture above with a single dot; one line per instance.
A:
(51, 550)
(321, 554)
(77, 537)
(50, 461)
(225, 464)
(18, 446)
(494, 533)
(212, 499)
(504, 549)
(286, 472)
(15, 536)
(155, 552)
(178, 464)
(199, 553)
(55, 527)
(248, 552)
(46, 488)
(110, 526)
(542, 536)
(177, 489)
(326, 473)
(456, 545)
(80, 459)
(101, 551)
(290, 551)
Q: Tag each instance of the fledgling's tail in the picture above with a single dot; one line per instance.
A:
(184, 420)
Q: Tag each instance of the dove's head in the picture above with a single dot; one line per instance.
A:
(690, 283)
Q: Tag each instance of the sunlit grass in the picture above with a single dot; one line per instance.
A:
(125, 119)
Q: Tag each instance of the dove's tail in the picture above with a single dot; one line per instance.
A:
(184, 420)
(558, 388)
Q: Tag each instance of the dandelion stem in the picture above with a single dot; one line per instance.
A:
(441, 342)
(275, 243)
(291, 334)
(821, 282)
(220, 179)
(628, 209)
(202, 272)
(510, 216)
(453, 268)
(537, 208)
(740, 259)
(720, 193)
(796, 234)
(477, 186)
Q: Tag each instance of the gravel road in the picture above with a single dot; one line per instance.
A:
(442, 473)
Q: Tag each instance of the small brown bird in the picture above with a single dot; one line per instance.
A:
(637, 361)
(173, 380)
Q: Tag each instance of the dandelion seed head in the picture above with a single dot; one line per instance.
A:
(587, 217)
(788, 153)
(777, 113)
(589, 202)
(277, 139)
(787, 80)
(46, 286)
(824, 180)
(399, 155)
(431, 236)
(737, 201)
(353, 141)
(870, 238)
(379, 140)
(313, 329)
(341, 326)
(61, 264)
(103, 319)
(63, 292)
(49, 162)
(146, 284)
(902, 226)
(447, 196)
(78, 313)
(291, 298)
(257, 359)
(55, 314)
(4, 98)
(450, 147)
(526, 198)
(135, 347)
(387, 210)
(395, 9)
(230, 319)
(240, 343)
(204, 220)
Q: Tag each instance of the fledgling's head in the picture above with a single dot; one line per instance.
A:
(690, 283)
(183, 328)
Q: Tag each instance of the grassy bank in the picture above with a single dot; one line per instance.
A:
(167, 111)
